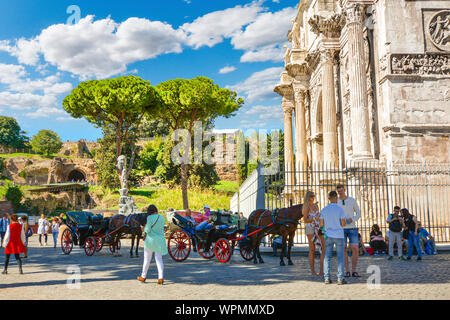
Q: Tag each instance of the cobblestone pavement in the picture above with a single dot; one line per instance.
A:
(107, 277)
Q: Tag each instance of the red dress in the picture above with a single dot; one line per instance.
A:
(15, 245)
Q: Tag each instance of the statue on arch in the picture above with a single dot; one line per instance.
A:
(296, 36)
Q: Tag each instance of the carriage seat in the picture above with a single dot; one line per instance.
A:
(180, 220)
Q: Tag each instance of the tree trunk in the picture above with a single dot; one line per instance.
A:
(184, 185)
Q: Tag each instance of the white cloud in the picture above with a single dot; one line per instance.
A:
(213, 27)
(227, 69)
(45, 112)
(259, 86)
(264, 38)
(38, 96)
(27, 51)
(101, 48)
(25, 101)
(268, 53)
(11, 73)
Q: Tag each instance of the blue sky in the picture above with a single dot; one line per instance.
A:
(238, 44)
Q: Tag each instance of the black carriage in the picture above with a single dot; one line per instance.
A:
(87, 230)
(222, 238)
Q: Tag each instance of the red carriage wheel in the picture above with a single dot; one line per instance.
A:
(208, 254)
(98, 244)
(223, 250)
(67, 241)
(247, 253)
(89, 246)
(179, 245)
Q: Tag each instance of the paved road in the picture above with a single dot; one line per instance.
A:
(106, 277)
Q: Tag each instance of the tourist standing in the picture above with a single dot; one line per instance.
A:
(413, 234)
(311, 218)
(13, 242)
(42, 229)
(4, 224)
(396, 225)
(333, 219)
(154, 242)
(28, 233)
(352, 214)
(55, 231)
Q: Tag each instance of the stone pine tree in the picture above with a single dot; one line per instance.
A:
(11, 135)
(46, 142)
(121, 102)
(185, 101)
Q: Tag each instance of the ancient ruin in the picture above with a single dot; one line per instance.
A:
(366, 85)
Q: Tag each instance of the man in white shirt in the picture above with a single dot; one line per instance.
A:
(332, 218)
(352, 214)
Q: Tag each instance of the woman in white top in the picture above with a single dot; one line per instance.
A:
(43, 229)
(55, 230)
(311, 215)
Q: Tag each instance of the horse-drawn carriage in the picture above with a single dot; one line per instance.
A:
(89, 231)
(218, 238)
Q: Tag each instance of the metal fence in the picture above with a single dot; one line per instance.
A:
(424, 189)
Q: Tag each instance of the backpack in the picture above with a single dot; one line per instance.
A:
(395, 226)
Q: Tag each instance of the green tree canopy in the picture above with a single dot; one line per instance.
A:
(11, 134)
(121, 102)
(185, 101)
(46, 142)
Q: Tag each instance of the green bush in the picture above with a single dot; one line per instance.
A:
(15, 195)
(23, 174)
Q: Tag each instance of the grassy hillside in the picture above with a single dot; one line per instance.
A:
(164, 198)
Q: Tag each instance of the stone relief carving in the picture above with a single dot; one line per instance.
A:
(421, 64)
(439, 30)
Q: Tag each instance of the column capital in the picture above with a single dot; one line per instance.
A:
(330, 26)
(328, 56)
(354, 13)
(299, 91)
(288, 106)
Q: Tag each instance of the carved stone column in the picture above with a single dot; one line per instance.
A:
(288, 107)
(300, 134)
(359, 110)
(330, 147)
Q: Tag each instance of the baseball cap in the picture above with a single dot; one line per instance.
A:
(206, 207)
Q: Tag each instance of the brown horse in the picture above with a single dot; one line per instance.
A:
(285, 223)
(132, 225)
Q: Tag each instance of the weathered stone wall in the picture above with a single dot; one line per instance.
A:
(413, 75)
(78, 149)
(36, 171)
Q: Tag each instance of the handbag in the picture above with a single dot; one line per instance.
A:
(29, 232)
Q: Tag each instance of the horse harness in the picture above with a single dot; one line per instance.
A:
(274, 216)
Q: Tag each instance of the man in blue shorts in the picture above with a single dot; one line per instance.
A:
(352, 214)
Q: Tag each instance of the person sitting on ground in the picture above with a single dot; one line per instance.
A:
(376, 240)
(426, 240)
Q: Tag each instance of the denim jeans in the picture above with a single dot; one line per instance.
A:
(329, 244)
(414, 240)
(55, 237)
